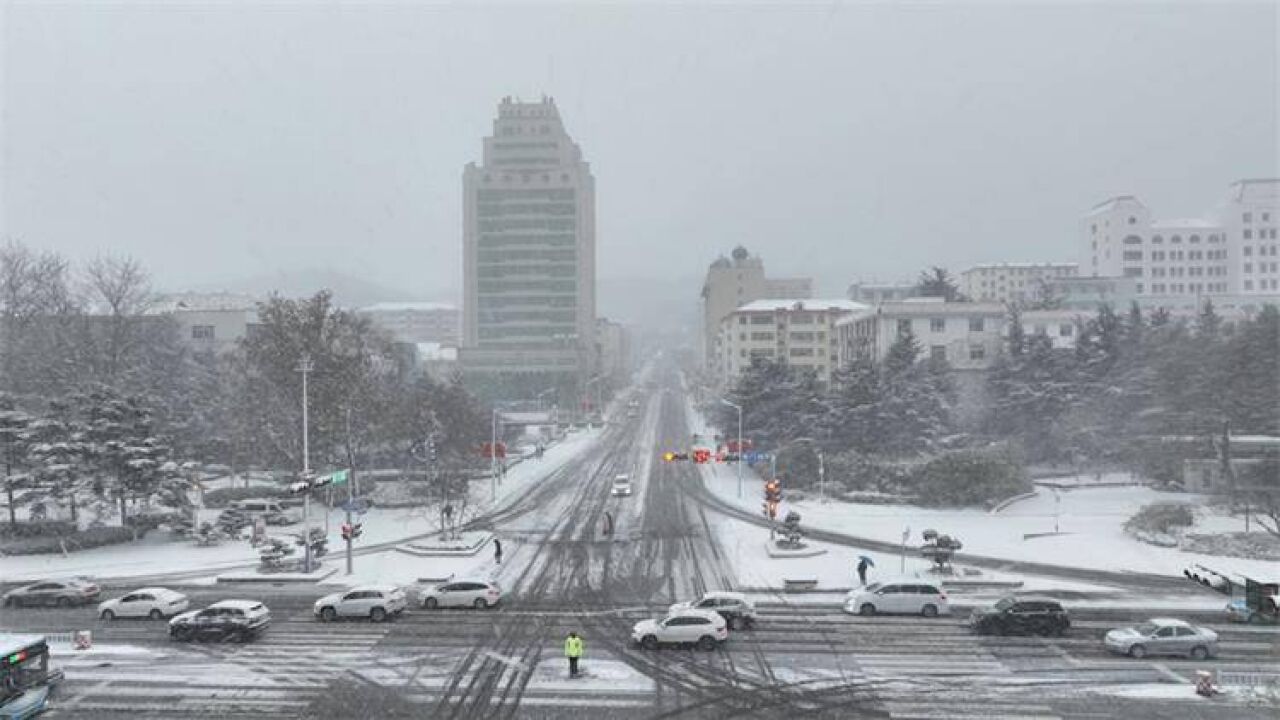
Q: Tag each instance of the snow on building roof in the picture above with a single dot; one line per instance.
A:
(201, 302)
(408, 307)
(933, 306)
(1011, 265)
(811, 305)
(436, 351)
(1180, 223)
(1111, 201)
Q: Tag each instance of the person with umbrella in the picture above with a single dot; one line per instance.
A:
(864, 562)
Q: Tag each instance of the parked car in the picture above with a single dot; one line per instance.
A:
(479, 594)
(899, 597)
(239, 620)
(737, 611)
(376, 602)
(1263, 610)
(154, 603)
(704, 628)
(621, 485)
(61, 593)
(1021, 616)
(1163, 636)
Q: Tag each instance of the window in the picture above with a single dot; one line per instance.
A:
(1248, 250)
(1132, 255)
(1194, 239)
(1248, 234)
(938, 353)
(904, 327)
(1066, 330)
(1248, 217)
(1134, 240)
(1176, 239)
(1248, 267)
(1157, 240)
(801, 352)
(1040, 329)
(201, 332)
(975, 324)
(742, 319)
(1133, 272)
(937, 324)
(1138, 288)
(977, 352)
(1132, 219)
(1266, 217)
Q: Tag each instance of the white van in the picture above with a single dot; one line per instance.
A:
(621, 485)
(258, 506)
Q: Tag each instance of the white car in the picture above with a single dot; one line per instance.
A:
(621, 485)
(1163, 636)
(153, 602)
(375, 602)
(703, 628)
(738, 612)
(899, 597)
(479, 594)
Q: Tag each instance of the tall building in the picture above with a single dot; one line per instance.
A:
(1229, 251)
(529, 258)
(1011, 282)
(733, 282)
(800, 333)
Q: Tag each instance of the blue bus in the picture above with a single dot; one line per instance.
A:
(25, 678)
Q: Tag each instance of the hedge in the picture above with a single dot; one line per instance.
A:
(83, 540)
(37, 528)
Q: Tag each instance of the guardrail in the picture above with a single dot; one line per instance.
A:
(1247, 679)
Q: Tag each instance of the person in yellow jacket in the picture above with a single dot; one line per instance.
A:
(573, 651)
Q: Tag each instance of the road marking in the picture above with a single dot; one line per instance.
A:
(1164, 670)
(1061, 651)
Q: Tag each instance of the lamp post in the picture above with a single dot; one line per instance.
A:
(493, 458)
(305, 367)
(739, 409)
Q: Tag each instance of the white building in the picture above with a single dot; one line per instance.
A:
(1012, 282)
(529, 256)
(966, 335)
(416, 322)
(800, 333)
(1062, 327)
(1231, 250)
(209, 322)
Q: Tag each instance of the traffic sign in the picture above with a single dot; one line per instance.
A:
(355, 505)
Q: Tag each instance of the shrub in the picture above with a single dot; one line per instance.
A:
(83, 540)
(1161, 517)
(37, 528)
(969, 477)
(223, 497)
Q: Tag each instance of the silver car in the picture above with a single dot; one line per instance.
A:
(1163, 636)
(376, 602)
(62, 593)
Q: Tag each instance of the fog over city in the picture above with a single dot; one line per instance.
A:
(236, 144)
(639, 360)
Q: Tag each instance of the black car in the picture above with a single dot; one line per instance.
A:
(238, 620)
(1021, 616)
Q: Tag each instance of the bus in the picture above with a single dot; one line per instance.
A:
(25, 678)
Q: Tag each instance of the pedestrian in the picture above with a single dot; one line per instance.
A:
(497, 551)
(863, 564)
(573, 651)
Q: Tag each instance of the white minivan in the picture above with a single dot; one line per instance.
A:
(899, 597)
(621, 485)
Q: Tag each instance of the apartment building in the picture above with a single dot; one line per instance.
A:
(966, 335)
(800, 333)
(1012, 282)
(732, 282)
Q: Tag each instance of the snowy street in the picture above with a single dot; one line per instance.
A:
(673, 540)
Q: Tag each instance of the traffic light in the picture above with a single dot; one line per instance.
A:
(701, 455)
(674, 456)
(355, 531)
(347, 532)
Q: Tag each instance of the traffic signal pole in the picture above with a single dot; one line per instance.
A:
(350, 498)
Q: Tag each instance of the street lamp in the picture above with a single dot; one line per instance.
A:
(739, 409)
(305, 367)
(493, 458)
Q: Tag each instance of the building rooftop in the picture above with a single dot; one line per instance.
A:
(201, 302)
(982, 266)
(813, 305)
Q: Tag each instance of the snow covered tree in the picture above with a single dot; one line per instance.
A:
(15, 436)
(937, 282)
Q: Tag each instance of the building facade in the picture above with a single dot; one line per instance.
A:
(416, 322)
(735, 281)
(1012, 282)
(529, 256)
(613, 351)
(877, 293)
(800, 333)
(209, 322)
(966, 335)
(1230, 250)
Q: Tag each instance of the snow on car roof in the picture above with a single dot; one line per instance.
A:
(241, 604)
(1169, 622)
(724, 594)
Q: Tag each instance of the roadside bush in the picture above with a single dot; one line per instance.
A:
(969, 477)
(1161, 517)
(223, 497)
(37, 528)
(83, 540)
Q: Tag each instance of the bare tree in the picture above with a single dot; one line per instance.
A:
(34, 304)
(120, 292)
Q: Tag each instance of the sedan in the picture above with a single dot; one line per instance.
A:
(154, 603)
(375, 602)
(1163, 636)
(62, 593)
(703, 628)
(479, 594)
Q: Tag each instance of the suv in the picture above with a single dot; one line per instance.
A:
(621, 485)
(703, 628)
(239, 620)
(1021, 616)
(903, 597)
(375, 602)
(738, 612)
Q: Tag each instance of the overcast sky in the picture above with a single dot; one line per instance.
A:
(221, 141)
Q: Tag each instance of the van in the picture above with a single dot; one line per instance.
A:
(899, 597)
(258, 506)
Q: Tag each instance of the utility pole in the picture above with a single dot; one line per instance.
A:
(305, 367)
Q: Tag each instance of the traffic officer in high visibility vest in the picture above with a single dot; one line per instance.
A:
(573, 651)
